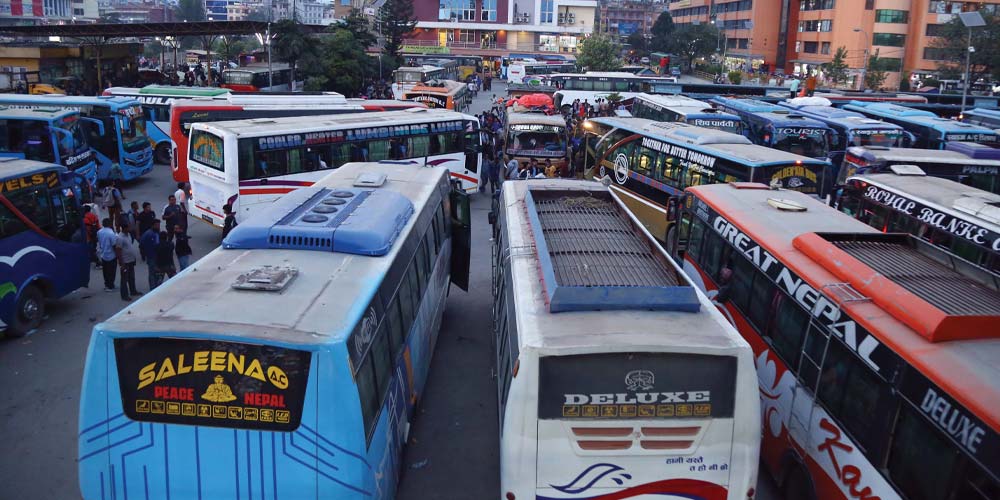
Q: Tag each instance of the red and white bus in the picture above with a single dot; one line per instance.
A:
(876, 353)
(185, 112)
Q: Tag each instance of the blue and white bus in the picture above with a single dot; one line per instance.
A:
(682, 109)
(48, 135)
(989, 118)
(981, 173)
(117, 132)
(929, 130)
(778, 127)
(308, 391)
(43, 254)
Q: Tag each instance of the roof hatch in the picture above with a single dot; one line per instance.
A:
(347, 220)
(593, 258)
(937, 297)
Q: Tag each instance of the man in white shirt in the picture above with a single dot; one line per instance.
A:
(125, 250)
(182, 197)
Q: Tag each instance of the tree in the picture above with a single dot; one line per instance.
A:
(637, 41)
(599, 53)
(395, 20)
(952, 42)
(343, 67)
(693, 41)
(191, 11)
(359, 26)
(837, 68)
(875, 74)
(662, 29)
(291, 43)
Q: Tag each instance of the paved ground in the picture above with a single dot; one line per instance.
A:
(453, 450)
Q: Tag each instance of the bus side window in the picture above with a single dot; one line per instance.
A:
(418, 146)
(382, 353)
(852, 392)
(762, 299)
(788, 329)
(378, 150)
(36, 206)
(340, 154)
(9, 224)
(671, 170)
(367, 392)
(693, 247)
(921, 460)
(712, 256)
(646, 161)
(5, 135)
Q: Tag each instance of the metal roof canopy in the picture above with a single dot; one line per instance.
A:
(205, 28)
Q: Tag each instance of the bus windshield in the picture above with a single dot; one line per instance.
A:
(74, 142)
(132, 124)
(239, 77)
(408, 76)
(808, 142)
(884, 138)
(545, 139)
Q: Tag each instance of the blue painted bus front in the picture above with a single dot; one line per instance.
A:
(52, 263)
(67, 142)
(122, 149)
(929, 130)
(774, 126)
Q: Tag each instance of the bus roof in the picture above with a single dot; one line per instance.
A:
(902, 155)
(65, 100)
(779, 116)
(519, 118)
(733, 147)
(323, 302)
(815, 243)
(917, 116)
(961, 201)
(257, 127)
(170, 90)
(610, 330)
(262, 68)
(35, 113)
(837, 116)
(990, 113)
(439, 87)
(672, 101)
(17, 167)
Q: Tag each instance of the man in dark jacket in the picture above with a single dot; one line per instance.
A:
(147, 249)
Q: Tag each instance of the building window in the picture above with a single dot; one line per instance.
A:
(489, 12)
(888, 39)
(77, 12)
(892, 16)
(451, 9)
(548, 9)
(889, 63)
(469, 12)
(935, 54)
(869, 4)
(945, 7)
(824, 48)
(824, 25)
(810, 47)
(816, 4)
(467, 36)
(935, 30)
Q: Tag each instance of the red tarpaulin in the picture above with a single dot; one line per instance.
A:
(535, 101)
(36, 7)
(16, 9)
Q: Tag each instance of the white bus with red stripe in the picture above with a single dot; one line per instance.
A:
(250, 163)
(616, 377)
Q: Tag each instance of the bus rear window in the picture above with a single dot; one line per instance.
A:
(207, 149)
(212, 383)
(619, 386)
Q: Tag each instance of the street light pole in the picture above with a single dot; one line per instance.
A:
(864, 66)
(971, 20)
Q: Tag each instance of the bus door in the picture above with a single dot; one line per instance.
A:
(461, 236)
(473, 150)
(618, 425)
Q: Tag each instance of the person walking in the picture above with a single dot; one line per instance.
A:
(125, 252)
(147, 249)
(91, 225)
(182, 247)
(106, 238)
(230, 223)
(113, 199)
(165, 258)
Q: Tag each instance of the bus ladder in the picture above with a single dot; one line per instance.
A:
(804, 403)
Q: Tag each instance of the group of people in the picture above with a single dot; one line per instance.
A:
(123, 238)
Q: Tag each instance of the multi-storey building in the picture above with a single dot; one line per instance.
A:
(47, 11)
(500, 27)
(624, 17)
(799, 36)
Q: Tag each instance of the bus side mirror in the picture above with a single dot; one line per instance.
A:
(672, 206)
(98, 123)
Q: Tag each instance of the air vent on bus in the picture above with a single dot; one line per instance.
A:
(266, 278)
(910, 170)
(644, 439)
(355, 221)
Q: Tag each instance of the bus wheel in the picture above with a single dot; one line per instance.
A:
(797, 485)
(162, 153)
(28, 312)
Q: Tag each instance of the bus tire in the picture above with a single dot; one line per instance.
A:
(162, 153)
(28, 312)
(797, 485)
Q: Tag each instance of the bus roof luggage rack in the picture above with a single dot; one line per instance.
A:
(940, 297)
(592, 257)
(974, 149)
(346, 220)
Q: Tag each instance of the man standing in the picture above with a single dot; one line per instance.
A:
(794, 87)
(182, 196)
(145, 218)
(182, 247)
(512, 170)
(91, 225)
(230, 221)
(106, 238)
(125, 252)
(147, 248)
(172, 214)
